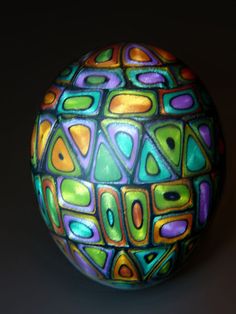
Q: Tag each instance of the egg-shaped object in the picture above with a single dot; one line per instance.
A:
(126, 158)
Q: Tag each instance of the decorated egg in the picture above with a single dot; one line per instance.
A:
(126, 158)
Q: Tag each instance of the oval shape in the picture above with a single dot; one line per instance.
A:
(103, 79)
(204, 202)
(44, 130)
(125, 271)
(171, 196)
(104, 56)
(110, 217)
(81, 230)
(52, 207)
(61, 158)
(151, 78)
(129, 103)
(170, 142)
(49, 98)
(187, 74)
(78, 103)
(96, 79)
(182, 102)
(127, 169)
(174, 228)
(137, 214)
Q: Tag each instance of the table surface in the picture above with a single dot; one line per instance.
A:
(36, 44)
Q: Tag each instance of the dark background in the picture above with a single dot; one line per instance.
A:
(36, 43)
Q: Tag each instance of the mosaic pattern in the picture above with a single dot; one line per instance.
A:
(126, 161)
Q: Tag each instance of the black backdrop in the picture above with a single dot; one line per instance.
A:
(36, 43)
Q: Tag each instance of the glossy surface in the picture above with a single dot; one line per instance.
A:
(126, 160)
